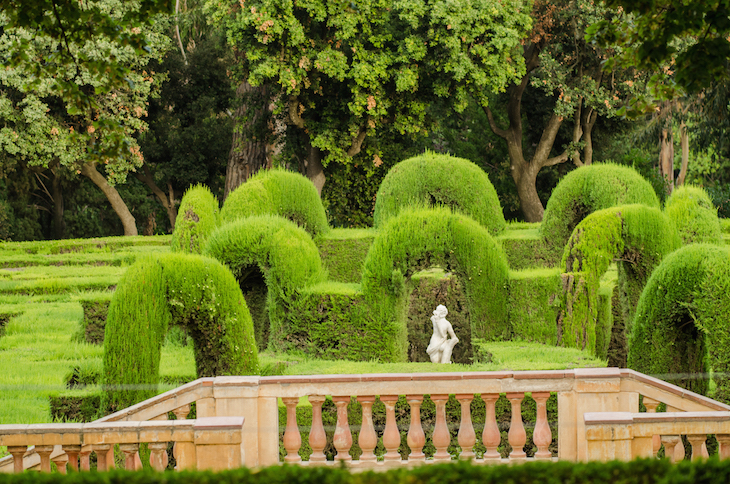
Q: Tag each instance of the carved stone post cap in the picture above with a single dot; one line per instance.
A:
(366, 399)
(515, 396)
(464, 396)
(341, 399)
(157, 445)
(17, 449)
(316, 398)
(388, 398)
(71, 448)
(129, 447)
(101, 447)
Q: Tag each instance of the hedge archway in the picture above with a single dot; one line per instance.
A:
(637, 237)
(282, 251)
(196, 292)
(587, 189)
(421, 238)
(693, 214)
(434, 180)
(682, 324)
(277, 192)
(196, 219)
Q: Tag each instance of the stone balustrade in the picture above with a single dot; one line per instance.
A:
(579, 392)
(207, 443)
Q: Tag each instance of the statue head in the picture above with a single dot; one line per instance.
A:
(440, 311)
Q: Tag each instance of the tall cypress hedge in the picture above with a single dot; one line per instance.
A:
(439, 180)
(691, 210)
(197, 218)
(587, 189)
(282, 251)
(194, 291)
(418, 239)
(278, 192)
(682, 324)
(638, 237)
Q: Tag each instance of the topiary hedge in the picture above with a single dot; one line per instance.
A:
(682, 324)
(638, 237)
(691, 211)
(278, 192)
(196, 292)
(439, 180)
(282, 251)
(197, 217)
(418, 239)
(587, 189)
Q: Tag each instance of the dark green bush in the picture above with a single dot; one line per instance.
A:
(587, 189)
(277, 192)
(196, 292)
(534, 304)
(435, 180)
(95, 311)
(197, 217)
(419, 239)
(682, 324)
(693, 214)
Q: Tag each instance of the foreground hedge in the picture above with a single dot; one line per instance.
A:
(642, 471)
(691, 211)
(197, 218)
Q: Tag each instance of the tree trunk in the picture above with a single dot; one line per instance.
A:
(315, 170)
(248, 154)
(684, 143)
(59, 225)
(666, 158)
(89, 170)
(530, 202)
(167, 202)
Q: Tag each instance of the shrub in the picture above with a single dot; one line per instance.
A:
(278, 192)
(439, 180)
(639, 237)
(196, 292)
(693, 214)
(587, 189)
(682, 324)
(283, 252)
(197, 217)
(343, 253)
(418, 239)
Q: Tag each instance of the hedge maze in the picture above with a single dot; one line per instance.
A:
(608, 271)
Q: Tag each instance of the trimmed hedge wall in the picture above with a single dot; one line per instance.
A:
(196, 292)
(682, 323)
(587, 189)
(343, 252)
(420, 239)
(534, 305)
(277, 192)
(95, 311)
(639, 237)
(691, 211)
(283, 252)
(197, 217)
(439, 180)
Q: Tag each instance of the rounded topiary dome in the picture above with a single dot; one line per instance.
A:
(693, 214)
(197, 217)
(590, 188)
(439, 180)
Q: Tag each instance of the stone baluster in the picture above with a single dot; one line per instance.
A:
(491, 436)
(72, 451)
(181, 413)
(44, 451)
(391, 436)
(158, 455)
(542, 436)
(467, 437)
(343, 437)
(441, 436)
(723, 451)
(368, 439)
(671, 442)
(84, 457)
(17, 451)
(416, 437)
(130, 455)
(651, 406)
(317, 437)
(697, 441)
(60, 460)
(679, 453)
(292, 437)
(517, 435)
(102, 456)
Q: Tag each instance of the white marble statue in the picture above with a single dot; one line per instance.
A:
(441, 346)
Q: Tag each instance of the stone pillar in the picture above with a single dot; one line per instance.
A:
(697, 441)
(723, 440)
(368, 439)
(467, 437)
(102, 454)
(218, 443)
(609, 436)
(441, 436)
(342, 439)
(517, 434)
(158, 455)
(72, 451)
(317, 436)
(44, 451)
(130, 455)
(542, 436)
(84, 455)
(491, 437)
(416, 437)
(60, 460)
(18, 451)
(651, 406)
(670, 444)
(292, 437)
(391, 436)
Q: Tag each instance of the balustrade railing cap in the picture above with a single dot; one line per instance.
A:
(13, 429)
(590, 373)
(113, 426)
(681, 417)
(223, 381)
(668, 387)
(55, 428)
(598, 418)
(218, 423)
(542, 374)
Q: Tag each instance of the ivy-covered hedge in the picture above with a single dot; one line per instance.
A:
(196, 292)
(682, 324)
(419, 239)
(278, 192)
(587, 189)
(439, 180)
(197, 217)
(639, 237)
(283, 252)
(691, 211)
